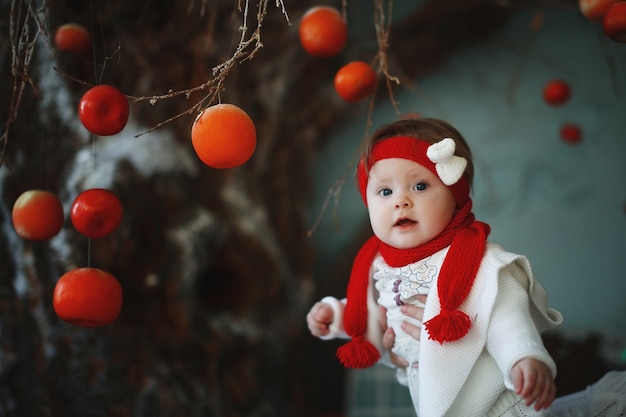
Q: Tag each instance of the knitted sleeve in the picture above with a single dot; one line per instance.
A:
(512, 333)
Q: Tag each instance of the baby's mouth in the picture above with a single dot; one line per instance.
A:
(404, 222)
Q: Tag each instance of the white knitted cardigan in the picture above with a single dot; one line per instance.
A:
(466, 377)
(463, 378)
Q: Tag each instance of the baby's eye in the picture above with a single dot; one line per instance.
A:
(385, 192)
(420, 186)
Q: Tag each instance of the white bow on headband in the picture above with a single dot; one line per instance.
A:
(449, 166)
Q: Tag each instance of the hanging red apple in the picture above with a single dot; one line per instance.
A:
(571, 133)
(594, 9)
(103, 110)
(614, 22)
(73, 37)
(96, 212)
(556, 92)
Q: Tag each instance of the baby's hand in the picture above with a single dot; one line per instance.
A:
(319, 318)
(532, 380)
(388, 339)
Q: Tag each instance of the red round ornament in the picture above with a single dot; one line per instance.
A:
(556, 92)
(96, 212)
(614, 22)
(87, 297)
(103, 110)
(571, 133)
(355, 81)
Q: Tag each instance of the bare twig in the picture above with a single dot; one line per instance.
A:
(515, 81)
(383, 28)
(23, 36)
(249, 44)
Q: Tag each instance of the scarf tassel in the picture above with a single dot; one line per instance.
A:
(358, 353)
(448, 326)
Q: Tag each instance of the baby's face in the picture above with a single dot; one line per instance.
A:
(408, 205)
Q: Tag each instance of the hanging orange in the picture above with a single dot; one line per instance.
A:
(223, 136)
(323, 32)
(355, 81)
(87, 297)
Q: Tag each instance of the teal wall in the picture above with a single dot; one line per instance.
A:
(564, 206)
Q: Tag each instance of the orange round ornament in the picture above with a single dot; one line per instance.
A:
(87, 297)
(323, 32)
(355, 81)
(223, 136)
(37, 215)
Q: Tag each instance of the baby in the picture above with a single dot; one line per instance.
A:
(479, 351)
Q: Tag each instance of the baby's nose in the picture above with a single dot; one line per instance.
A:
(402, 201)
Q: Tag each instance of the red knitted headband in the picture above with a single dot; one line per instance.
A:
(439, 158)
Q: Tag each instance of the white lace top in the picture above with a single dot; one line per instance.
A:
(398, 286)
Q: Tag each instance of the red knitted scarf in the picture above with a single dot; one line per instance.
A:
(467, 240)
